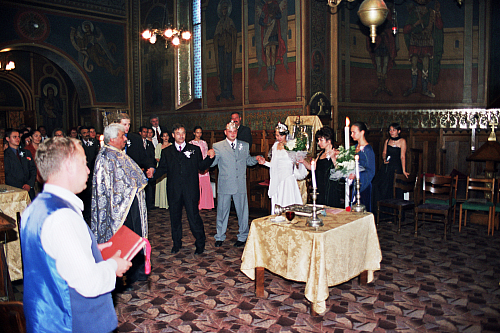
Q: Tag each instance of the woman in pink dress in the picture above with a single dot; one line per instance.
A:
(206, 194)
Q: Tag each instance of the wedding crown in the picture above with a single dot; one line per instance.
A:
(282, 128)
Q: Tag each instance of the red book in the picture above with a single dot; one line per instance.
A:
(125, 240)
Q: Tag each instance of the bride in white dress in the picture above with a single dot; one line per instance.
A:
(283, 187)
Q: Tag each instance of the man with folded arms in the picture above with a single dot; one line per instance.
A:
(67, 285)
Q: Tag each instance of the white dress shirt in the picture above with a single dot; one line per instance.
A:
(177, 146)
(157, 131)
(65, 237)
(231, 143)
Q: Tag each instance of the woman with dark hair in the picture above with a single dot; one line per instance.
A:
(283, 172)
(206, 194)
(328, 190)
(161, 199)
(394, 156)
(366, 162)
(26, 139)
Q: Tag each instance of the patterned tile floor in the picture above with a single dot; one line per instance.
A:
(424, 285)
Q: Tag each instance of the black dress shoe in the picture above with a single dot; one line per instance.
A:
(218, 243)
(175, 249)
(239, 243)
(199, 250)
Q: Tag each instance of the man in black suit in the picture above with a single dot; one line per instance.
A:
(244, 132)
(135, 147)
(20, 168)
(91, 149)
(157, 129)
(150, 153)
(181, 162)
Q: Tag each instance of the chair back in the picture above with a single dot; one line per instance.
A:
(485, 185)
(403, 183)
(438, 187)
(12, 318)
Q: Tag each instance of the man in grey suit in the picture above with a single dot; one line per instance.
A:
(232, 156)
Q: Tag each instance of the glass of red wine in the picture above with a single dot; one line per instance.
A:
(290, 215)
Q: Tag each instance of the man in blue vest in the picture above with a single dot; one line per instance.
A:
(67, 285)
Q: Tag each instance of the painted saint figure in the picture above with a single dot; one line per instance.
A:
(424, 38)
(273, 45)
(225, 40)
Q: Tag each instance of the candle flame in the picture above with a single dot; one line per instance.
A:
(347, 121)
(356, 157)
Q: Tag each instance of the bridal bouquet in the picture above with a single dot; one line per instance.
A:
(296, 149)
(345, 163)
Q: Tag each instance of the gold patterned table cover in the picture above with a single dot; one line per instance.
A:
(343, 248)
(12, 201)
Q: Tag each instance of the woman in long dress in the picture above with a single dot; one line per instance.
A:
(284, 173)
(366, 160)
(394, 156)
(328, 191)
(206, 194)
(161, 200)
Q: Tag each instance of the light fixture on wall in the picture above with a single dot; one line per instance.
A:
(5, 63)
(172, 35)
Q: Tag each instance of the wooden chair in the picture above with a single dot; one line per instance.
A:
(439, 201)
(12, 318)
(436, 187)
(397, 206)
(486, 186)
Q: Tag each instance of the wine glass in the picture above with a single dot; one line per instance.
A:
(290, 215)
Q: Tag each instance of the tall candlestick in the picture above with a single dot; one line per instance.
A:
(356, 157)
(346, 133)
(313, 173)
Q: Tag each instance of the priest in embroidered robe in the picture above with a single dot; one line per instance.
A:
(67, 284)
(118, 196)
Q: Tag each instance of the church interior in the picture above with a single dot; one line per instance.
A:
(79, 62)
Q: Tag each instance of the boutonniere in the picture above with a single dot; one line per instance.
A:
(128, 143)
(90, 143)
(21, 153)
(240, 147)
(28, 158)
(188, 153)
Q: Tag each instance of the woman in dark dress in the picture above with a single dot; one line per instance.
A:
(394, 156)
(328, 190)
(366, 160)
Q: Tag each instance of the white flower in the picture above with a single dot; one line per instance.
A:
(188, 153)
(290, 144)
(128, 143)
(90, 143)
(21, 153)
(240, 147)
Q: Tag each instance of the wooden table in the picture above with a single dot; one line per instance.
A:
(12, 201)
(346, 246)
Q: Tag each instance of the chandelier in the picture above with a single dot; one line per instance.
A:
(5, 64)
(172, 35)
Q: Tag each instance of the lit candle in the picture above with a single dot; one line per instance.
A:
(313, 173)
(356, 157)
(101, 139)
(346, 133)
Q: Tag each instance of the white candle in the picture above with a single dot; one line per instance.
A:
(101, 139)
(346, 133)
(356, 157)
(313, 173)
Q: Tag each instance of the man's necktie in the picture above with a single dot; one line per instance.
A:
(17, 154)
(145, 143)
(232, 145)
(180, 148)
(157, 134)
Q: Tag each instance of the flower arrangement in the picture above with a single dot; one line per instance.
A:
(297, 144)
(296, 148)
(345, 164)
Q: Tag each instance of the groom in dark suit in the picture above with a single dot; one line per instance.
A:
(181, 162)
